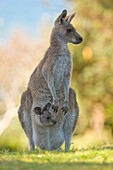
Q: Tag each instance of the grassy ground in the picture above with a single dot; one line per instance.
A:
(82, 155)
(96, 158)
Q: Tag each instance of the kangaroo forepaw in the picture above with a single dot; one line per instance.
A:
(65, 109)
(55, 108)
(55, 105)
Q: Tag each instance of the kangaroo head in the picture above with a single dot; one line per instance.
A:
(45, 116)
(64, 31)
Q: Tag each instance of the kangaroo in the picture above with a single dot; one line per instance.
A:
(46, 129)
(51, 79)
(50, 82)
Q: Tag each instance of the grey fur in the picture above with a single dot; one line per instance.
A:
(49, 83)
(47, 135)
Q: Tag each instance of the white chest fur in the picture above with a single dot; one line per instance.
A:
(62, 65)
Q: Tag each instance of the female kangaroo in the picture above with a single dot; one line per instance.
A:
(50, 81)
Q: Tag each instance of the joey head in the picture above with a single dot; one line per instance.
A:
(45, 116)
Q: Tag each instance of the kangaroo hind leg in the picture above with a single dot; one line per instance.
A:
(71, 118)
(25, 117)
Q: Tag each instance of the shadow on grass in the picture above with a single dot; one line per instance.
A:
(20, 165)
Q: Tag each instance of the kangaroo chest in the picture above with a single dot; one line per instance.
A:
(62, 66)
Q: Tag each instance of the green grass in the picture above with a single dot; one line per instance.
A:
(96, 158)
(14, 153)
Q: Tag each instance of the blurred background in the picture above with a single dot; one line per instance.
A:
(25, 27)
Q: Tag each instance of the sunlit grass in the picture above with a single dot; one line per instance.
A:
(89, 151)
(90, 158)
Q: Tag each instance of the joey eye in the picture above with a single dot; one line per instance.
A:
(69, 30)
(48, 117)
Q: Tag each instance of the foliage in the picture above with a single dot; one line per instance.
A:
(93, 63)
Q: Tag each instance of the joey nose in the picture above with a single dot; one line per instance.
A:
(81, 39)
(54, 122)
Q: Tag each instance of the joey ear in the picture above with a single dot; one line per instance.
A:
(70, 17)
(47, 107)
(37, 110)
(61, 18)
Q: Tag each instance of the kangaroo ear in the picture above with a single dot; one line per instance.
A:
(70, 17)
(37, 110)
(61, 18)
(47, 107)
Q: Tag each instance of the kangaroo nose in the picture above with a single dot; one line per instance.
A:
(54, 122)
(81, 39)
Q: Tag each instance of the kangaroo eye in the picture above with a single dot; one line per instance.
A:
(48, 117)
(69, 30)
